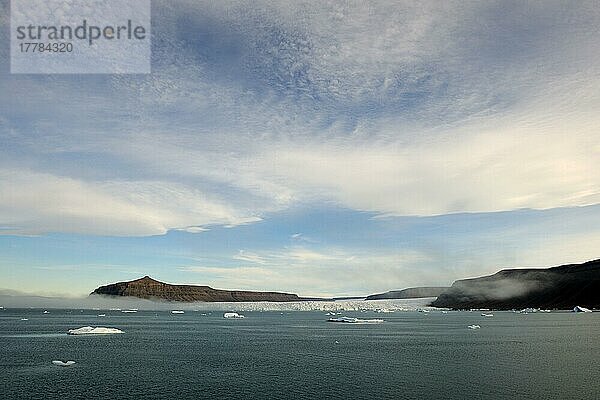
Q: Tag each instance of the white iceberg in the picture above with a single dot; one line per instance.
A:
(350, 320)
(487, 314)
(177, 312)
(129, 311)
(528, 310)
(581, 309)
(89, 330)
(63, 363)
(232, 315)
(474, 327)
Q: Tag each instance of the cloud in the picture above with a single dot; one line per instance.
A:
(104, 208)
(410, 109)
(311, 272)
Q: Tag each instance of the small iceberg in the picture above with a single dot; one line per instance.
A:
(102, 315)
(177, 312)
(528, 310)
(350, 320)
(129, 311)
(24, 319)
(63, 363)
(487, 314)
(46, 312)
(232, 315)
(89, 330)
(474, 327)
(579, 309)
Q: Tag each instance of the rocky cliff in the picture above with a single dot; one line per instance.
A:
(148, 288)
(562, 287)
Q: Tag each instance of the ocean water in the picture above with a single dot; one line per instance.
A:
(298, 355)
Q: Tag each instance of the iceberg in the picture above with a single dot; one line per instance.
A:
(63, 363)
(177, 312)
(350, 320)
(487, 314)
(474, 327)
(232, 315)
(579, 309)
(89, 330)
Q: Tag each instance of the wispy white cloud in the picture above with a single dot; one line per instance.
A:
(39, 202)
(311, 272)
(404, 109)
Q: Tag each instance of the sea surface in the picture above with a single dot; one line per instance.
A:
(298, 355)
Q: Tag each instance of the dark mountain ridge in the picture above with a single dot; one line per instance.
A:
(562, 287)
(409, 293)
(148, 288)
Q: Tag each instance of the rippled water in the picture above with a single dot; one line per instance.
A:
(298, 355)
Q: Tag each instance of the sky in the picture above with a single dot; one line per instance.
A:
(322, 148)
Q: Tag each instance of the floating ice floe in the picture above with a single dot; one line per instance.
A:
(63, 363)
(129, 311)
(46, 312)
(232, 315)
(102, 315)
(24, 319)
(487, 314)
(580, 309)
(528, 310)
(350, 320)
(177, 312)
(474, 327)
(89, 330)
